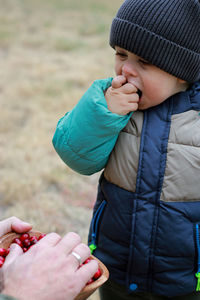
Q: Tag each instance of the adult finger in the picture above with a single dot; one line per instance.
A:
(15, 251)
(69, 242)
(86, 272)
(79, 254)
(51, 239)
(14, 224)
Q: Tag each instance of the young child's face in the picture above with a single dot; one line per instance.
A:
(155, 84)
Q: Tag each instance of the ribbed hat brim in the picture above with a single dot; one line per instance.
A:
(170, 57)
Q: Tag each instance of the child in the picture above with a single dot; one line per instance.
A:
(143, 129)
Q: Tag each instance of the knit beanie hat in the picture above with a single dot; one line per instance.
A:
(164, 32)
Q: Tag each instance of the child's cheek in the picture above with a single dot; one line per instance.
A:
(159, 94)
(118, 68)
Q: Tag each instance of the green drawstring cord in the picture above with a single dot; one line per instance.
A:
(198, 281)
(93, 247)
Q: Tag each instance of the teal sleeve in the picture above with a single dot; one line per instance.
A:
(6, 297)
(86, 135)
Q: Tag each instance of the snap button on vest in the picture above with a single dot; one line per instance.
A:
(133, 286)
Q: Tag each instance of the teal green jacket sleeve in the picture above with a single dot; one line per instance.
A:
(5, 297)
(86, 135)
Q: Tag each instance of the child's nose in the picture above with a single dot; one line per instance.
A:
(128, 69)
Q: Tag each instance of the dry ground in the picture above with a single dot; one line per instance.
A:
(50, 52)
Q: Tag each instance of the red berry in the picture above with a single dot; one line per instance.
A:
(87, 260)
(3, 252)
(41, 236)
(26, 243)
(90, 281)
(33, 240)
(30, 247)
(2, 259)
(97, 274)
(17, 241)
(1, 263)
(25, 249)
(24, 237)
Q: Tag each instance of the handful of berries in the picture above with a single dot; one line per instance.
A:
(26, 241)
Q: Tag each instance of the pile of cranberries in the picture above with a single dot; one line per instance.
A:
(25, 241)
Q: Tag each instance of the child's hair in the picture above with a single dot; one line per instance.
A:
(164, 32)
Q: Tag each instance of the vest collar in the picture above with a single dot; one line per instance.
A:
(188, 100)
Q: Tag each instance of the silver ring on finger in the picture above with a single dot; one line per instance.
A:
(77, 256)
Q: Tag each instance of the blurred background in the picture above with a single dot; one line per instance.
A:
(50, 52)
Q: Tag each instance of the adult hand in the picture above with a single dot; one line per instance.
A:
(14, 224)
(122, 97)
(48, 271)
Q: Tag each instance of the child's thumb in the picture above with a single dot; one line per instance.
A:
(118, 81)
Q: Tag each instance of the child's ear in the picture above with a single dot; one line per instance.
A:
(183, 83)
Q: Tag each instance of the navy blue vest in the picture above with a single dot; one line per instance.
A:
(147, 244)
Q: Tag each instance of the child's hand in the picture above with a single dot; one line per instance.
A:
(122, 97)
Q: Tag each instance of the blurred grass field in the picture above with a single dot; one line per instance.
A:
(50, 52)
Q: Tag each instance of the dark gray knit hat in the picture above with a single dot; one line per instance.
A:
(163, 32)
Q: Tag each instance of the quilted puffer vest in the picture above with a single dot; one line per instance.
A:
(146, 221)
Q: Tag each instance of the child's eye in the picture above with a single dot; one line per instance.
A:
(144, 62)
(121, 54)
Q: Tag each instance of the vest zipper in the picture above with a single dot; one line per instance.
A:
(94, 226)
(197, 274)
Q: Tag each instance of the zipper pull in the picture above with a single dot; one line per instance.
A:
(198, 281)
(94, 225)
(93, 247)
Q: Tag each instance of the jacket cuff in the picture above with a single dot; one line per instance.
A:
(6, 297)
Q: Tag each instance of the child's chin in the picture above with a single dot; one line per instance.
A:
(142, 105)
